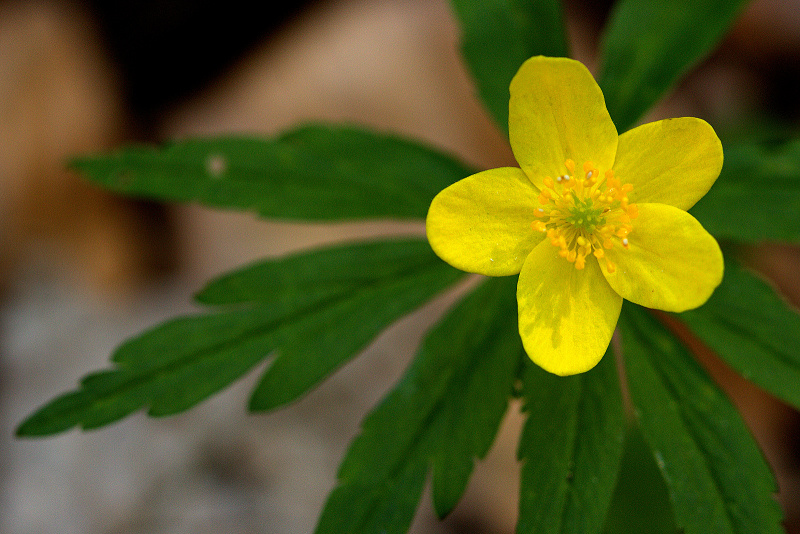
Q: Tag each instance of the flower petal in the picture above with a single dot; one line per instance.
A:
(557, 112)
(482, 224)
(566, 316)
(674, 161)
(672, 263)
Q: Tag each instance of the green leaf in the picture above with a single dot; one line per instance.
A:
(317, 320)
(757, 195)
(316, 172)
(442, 415)
(641, 503)
(753, 330)
(717, 478)
(497, 36)
(648, 46)
(571, 447)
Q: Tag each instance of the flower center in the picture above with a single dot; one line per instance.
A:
(585, 216)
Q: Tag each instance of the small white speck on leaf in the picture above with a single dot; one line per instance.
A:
(216, 165)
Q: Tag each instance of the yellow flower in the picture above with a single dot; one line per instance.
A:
(589, 218)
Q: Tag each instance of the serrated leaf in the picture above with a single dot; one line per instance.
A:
(647, 46)
(757, 195)
(179, 363)
(315, 172)
(754, 330)
(716, 476)
(442, 415)
(571, 447)
(338, 270)
(497, 36)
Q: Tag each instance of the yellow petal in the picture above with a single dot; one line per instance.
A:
(674, 161)
(482, 224)
(672, 263)
(566, 315)
(557, 112)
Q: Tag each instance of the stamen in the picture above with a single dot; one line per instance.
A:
(584, 217)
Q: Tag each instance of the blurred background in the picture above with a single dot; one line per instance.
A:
(81, 269)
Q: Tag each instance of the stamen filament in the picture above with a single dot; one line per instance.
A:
(585, 217)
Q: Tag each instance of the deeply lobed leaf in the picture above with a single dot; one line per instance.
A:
(315, 172)
(181, 362)
(571, 447)
(497, 36)
(717, 478)
(754, 330)
(648, 46)
(442, 415)
(757, 195)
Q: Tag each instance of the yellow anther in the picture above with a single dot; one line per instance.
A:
(584, 215)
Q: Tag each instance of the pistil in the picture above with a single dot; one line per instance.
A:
(585, 216)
